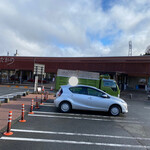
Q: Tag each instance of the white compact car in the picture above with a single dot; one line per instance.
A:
(83, 97)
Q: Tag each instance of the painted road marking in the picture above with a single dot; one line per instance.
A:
(147, 107)
(50, 104)
(73, 142)
(82, 118)
(81, 134)
(83, 115)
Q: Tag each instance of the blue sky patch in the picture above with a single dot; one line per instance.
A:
(106, 40)
(107, 4)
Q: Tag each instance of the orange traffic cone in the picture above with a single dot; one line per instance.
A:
(51, 89)
(42, 88)
(9, 124)
(31, 108)
(22, 114)
(41, 99)
(45, 96)
(37, 104)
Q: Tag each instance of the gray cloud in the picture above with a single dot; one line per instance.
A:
(74, 28)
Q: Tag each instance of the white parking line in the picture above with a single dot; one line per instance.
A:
(73, 142)
(81, 115)
(81, 134)
(147, 107)
(50, 104)
(82, 118)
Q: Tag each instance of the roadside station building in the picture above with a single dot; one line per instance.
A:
(129, 72)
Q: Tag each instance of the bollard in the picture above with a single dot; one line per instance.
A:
(51, 89)
(31, 108)
(130, 96)
(42, 88)
(45, 96)
(37, 104)
(41, 99)
(9, 124)
(22, 114)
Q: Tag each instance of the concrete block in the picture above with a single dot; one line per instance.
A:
(15, 98)
(6, 100)
(27, 93)
(18, 96)
(24, 94)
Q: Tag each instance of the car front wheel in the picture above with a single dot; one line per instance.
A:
(115, 110)
(65, 107)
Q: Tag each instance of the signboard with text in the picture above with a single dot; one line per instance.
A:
(39, 69)
(7, 60)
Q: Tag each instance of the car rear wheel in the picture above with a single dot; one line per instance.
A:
(115, 110)
(65, 107)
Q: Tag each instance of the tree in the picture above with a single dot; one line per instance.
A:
(147, 52)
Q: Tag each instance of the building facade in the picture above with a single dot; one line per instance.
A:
(132, 72)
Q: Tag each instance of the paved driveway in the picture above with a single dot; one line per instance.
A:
(49, 129)
(14, 89)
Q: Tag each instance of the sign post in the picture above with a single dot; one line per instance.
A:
(39, 70)
(35, 84)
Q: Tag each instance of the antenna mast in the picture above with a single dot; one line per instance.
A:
(130, 48)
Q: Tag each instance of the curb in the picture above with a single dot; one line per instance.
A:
(7, 99)
(13, 122)
(15, 86)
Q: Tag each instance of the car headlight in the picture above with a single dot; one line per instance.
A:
(123, 101)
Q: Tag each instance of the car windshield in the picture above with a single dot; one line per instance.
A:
(111, 84)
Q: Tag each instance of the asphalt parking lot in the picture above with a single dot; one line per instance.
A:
(47, 128)
(9, 90)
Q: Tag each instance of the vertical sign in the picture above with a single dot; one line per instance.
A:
(36, 84)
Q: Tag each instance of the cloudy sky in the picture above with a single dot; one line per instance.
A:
(72, 28)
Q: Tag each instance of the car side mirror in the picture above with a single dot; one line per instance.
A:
(105, 96)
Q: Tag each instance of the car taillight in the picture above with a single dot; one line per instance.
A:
(60, 92)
